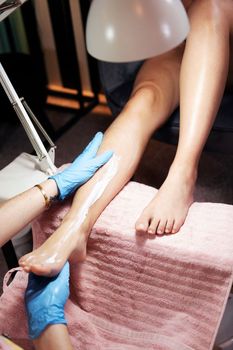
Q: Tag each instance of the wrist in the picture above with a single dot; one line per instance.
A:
(59, 184)
(54, 337)
(48, 190)
(40, 319)
(50, 187)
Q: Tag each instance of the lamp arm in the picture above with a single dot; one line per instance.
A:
(46, 163)
(36, 121)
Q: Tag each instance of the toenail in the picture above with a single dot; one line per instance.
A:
(141, 227)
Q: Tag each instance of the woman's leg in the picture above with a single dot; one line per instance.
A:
(154, 97)
(203, 76)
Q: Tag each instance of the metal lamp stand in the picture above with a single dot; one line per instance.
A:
(46, 159)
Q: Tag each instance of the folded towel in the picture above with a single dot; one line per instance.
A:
(167, 293)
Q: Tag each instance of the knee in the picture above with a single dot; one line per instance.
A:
(145, 97)
(148, 108)
(211, 14)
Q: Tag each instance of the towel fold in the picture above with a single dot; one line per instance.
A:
(167, 293)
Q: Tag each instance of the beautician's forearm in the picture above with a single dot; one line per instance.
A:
(19, 211)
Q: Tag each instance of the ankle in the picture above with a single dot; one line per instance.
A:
(77, 224)
(185, 170)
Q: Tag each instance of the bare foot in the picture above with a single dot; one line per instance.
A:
(167, 211)
(50, 257)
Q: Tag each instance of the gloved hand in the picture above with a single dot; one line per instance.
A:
(82, 168)
(45, 298)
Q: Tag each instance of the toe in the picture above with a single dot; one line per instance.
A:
(142, 224)
(22, 262)
(161, 227)
(141, 228)
(26, 259)
(153, 226)
(23, 259)
(26, 268)
(169, 226)
(177, 225)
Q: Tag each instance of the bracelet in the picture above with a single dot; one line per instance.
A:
(46, 198)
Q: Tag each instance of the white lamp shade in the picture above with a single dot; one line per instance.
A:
(131, 30)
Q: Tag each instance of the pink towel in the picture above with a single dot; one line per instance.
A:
(168, 293)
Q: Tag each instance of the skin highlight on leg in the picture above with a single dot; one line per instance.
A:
(202, 81)
(147, 109)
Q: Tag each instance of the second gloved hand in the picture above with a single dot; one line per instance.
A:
(45, 298)
(82, 168)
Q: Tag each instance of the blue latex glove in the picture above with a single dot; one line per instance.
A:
(82, 168)
(45, 298)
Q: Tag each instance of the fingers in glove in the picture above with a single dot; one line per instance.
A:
(93, 146)
(101, 159)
